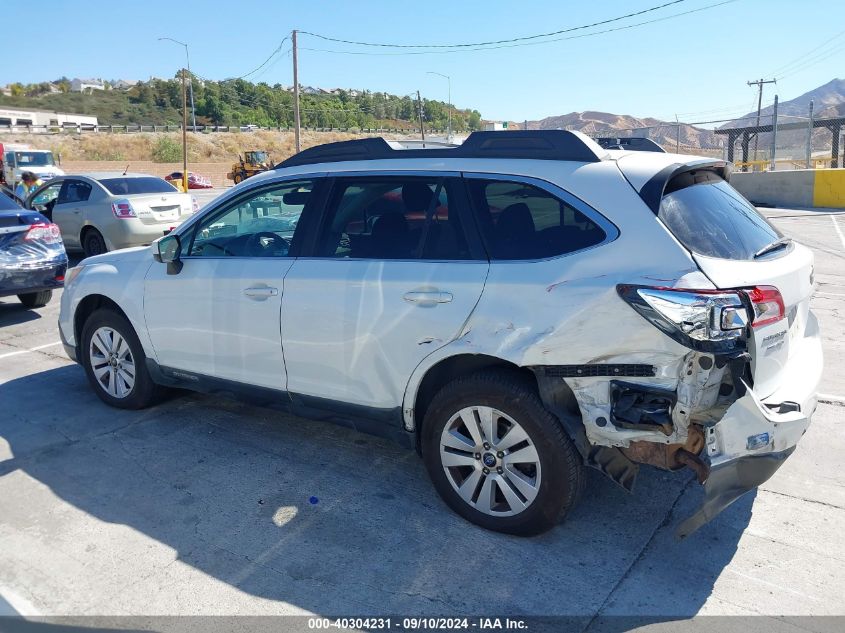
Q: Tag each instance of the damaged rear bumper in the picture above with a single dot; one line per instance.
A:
(728, 482)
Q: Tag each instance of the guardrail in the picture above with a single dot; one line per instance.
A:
(135, 129)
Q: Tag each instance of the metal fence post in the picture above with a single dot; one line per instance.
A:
(774, 132)
(810, 136)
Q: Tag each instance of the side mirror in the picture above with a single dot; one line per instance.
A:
(170, 252)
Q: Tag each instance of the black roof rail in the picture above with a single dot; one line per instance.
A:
(633, 143)
(533, 144)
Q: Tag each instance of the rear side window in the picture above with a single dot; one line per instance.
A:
(74, 191)
(393, 218)
(521, 221)
(130, 186)
(711, 218)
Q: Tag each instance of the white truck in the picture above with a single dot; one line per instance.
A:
(16, 158)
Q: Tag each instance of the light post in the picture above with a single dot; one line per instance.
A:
(191, 84)
(448, 79)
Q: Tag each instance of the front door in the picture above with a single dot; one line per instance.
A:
(390, 277)
(220, 315)
(69, 210)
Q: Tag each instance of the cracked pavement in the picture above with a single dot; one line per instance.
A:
(207, 506)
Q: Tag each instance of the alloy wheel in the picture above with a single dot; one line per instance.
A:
(112, 362)
(490, 461)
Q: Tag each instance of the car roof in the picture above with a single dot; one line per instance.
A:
(102, 175)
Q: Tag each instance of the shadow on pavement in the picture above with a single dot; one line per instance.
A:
(12, 312)
(328, 520)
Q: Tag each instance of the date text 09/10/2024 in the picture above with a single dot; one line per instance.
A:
(417, 623)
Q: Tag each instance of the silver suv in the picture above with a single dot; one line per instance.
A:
(515, 309)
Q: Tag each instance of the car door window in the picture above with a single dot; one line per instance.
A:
(46, 198)
(259, 225)
(73, 191)
(521, 221)
(392, 218)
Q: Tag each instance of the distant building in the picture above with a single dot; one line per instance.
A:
(82, 85)
(495, 126)
(124, 84)
(19, 118)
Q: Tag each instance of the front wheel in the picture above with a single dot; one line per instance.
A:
(497, 457)
(115, 362)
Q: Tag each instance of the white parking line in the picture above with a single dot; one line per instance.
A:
(27, 351)
(838, 230)
(829, 399)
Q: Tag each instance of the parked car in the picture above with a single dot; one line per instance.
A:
(516, 309)
(101, 212)
(195, 181)
(32, 256)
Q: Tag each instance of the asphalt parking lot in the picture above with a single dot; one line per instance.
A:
(206, 506)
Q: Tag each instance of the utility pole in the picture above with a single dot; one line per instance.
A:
(759, 83)
(774, 133)
(184, 132)
(422, 127)
(810, 136)
(191, 85)
(295, 94)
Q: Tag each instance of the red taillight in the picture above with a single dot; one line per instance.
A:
(44, 232)
(60, 277)
(123, 210)
(768, 305)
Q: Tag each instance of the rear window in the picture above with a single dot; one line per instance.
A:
(6, 202)
(129, 186)
(711, 218)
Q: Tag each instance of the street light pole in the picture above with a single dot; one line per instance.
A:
(449, 80)
(191, 84)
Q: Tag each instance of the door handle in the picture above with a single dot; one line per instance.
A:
(261, 292)
(430, 297)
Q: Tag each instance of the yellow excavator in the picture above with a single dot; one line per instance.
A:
(251, 163)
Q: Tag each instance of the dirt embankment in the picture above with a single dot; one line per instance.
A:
(160, 153)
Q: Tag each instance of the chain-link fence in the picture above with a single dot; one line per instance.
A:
(773, 141)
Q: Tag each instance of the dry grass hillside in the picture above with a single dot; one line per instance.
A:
(218, 147)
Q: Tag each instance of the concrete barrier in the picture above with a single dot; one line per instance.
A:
(798, 188)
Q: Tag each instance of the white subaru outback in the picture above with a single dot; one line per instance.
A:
(516, 309)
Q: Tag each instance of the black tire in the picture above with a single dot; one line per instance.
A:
(238, 178)
(144, 392)
(36, 299)
(93, 243)
(562, 469)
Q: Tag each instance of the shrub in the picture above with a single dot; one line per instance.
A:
(166, 150)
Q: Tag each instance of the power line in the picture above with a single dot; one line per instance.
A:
(264, 63)
(494, 42)
(797, 61)
(519, 44)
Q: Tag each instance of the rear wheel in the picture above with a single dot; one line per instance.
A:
(238, 178)
(498, 457)
(115, 363)
(36, 299)
(93, 243)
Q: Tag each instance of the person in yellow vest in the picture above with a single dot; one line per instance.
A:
(29, 183)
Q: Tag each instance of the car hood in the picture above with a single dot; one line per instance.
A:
(135, 254)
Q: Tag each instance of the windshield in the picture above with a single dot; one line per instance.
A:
(130, 186)
(34, 159)
(711, 218)
(259, 157)
(7, 203)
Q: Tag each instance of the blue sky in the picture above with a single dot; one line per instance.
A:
(695, 66)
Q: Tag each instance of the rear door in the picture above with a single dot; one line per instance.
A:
(737, 248)
(392, 274)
